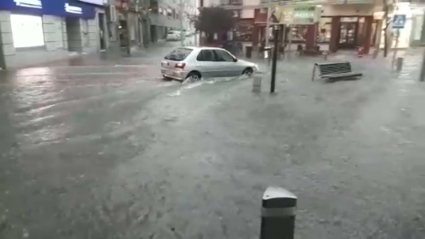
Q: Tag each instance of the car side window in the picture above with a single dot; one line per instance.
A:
(205, 55)
(223, 56)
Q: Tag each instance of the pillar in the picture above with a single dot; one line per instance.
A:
(255, 35)
(311, 36)
(335, 29)
(367, 34)
(423, 30)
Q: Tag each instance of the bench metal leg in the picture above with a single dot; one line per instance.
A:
(314, 72)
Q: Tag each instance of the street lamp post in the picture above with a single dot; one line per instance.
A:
(275, 50)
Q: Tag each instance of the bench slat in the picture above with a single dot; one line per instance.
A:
(334, 68)
(334, 76)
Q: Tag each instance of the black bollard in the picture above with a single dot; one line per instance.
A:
(275, 50)
(278, 214)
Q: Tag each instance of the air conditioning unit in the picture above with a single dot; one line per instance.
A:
(112, 13)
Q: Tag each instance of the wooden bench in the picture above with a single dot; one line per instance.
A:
(334, 70)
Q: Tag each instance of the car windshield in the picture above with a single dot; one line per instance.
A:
(178, 54)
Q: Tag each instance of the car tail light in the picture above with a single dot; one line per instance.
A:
(180, 65)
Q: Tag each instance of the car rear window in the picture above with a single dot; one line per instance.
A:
(178, 54)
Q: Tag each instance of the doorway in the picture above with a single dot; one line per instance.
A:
(73, 33)
(2, 60)
(348, 33)
(102, 39)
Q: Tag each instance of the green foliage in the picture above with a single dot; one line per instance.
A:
(214, 19)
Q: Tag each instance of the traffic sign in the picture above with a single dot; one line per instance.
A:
(399, 21)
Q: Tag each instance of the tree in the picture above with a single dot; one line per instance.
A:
(387, 23)
(213, 20)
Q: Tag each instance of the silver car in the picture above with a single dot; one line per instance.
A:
(198, 62)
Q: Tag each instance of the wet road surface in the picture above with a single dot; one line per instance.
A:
(104, 152)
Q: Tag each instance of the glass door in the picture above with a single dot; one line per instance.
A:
(348, 32)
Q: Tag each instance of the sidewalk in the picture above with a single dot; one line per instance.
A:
(144, 56)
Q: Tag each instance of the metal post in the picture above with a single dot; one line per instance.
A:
(276, 40)
(396, 48)
(290, 39)
(129, 25)
(181, 23)
(399, 64)
(283, 41)
(278, 214)
(422, 76)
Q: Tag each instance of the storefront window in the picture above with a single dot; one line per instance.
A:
(244, 33)
(299, 33)
(325, 27)
(27, 31)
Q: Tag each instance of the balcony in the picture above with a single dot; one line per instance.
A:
(347, 2)
(231, 2)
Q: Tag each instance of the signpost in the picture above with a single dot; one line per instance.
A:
(399, 20)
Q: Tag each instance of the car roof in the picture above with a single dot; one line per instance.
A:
(202, 48)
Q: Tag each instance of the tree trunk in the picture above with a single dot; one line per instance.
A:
(386, 27)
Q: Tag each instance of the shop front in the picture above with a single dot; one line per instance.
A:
(37, 31)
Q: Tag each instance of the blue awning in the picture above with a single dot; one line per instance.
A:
(63, 8)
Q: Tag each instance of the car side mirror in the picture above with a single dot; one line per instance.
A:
(235, 59)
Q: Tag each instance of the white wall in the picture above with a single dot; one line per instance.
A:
(55, 38)
(249, 13)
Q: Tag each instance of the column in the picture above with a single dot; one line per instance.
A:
(311, 36)
(255, 35)
(423, 30)
(7, 51)
(49, 31)
(368, 32)
(335, 28)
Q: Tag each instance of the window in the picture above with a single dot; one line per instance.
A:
(27, 30)
(205, 55)
(223, 56)
(178, 54)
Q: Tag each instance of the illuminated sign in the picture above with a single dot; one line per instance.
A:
(63, 8)
(29, 3)
(95, 2)
(73, 9)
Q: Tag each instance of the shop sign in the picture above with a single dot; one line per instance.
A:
(28, 3)
(298, 15)
(73, 9)
(399, 21)
(95, 2)
(61, 8)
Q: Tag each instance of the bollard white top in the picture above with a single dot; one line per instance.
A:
(277, 192)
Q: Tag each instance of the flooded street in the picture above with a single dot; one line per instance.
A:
(113, 151)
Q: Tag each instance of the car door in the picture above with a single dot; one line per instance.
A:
(227, 63)
(206, 63)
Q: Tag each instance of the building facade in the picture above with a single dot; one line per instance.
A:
(165, 15)
(39, 31)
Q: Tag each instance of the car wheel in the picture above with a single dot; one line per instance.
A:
(247, 72)
(166, 78)
(193, 76)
